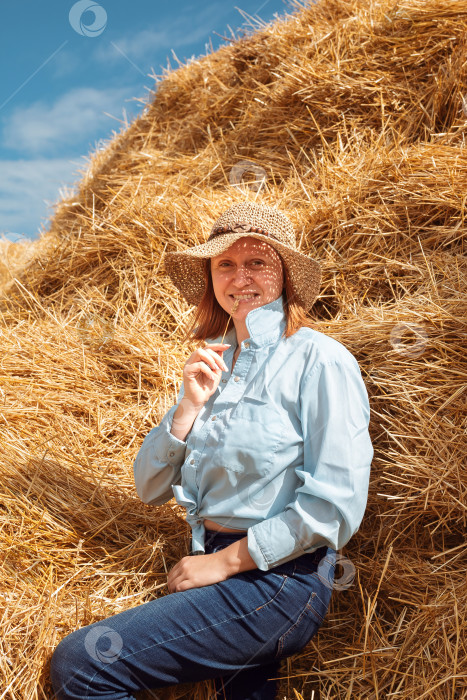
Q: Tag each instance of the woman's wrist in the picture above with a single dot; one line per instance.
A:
(184, 417)
(236, 557)
(190, 406)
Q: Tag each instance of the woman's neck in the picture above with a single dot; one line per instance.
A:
(235, 356)
(241, 331)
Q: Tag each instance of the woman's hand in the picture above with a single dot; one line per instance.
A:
(201, 377)
(202, 372)
(194, 572)
(204, 569)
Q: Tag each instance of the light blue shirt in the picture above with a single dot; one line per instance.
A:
(281, 449)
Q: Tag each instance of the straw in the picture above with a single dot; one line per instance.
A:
(234, 308)
(355, 114)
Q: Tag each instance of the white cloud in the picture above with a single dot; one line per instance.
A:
(28, 188)
(171, 34)
(71, 119)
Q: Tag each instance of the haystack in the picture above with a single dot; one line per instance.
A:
(351, 115)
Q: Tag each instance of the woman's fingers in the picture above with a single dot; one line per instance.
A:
(195, 367)
(194, 572)
(212, 359)
(203, 371)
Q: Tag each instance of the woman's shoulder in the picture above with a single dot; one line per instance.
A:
(321, 348)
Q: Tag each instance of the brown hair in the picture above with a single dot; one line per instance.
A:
(210, 319)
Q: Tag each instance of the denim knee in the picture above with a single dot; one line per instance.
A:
(65, 665)
(60, 665)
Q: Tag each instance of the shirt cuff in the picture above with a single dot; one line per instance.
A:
(169, 449)
(260, 537)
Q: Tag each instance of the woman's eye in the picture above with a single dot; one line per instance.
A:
(252, 263)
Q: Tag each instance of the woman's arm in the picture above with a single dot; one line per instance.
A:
(184, 417)
(158, 463)
(330, 499)
(201, 376)
(205, 569)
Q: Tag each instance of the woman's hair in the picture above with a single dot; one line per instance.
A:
(210, 319)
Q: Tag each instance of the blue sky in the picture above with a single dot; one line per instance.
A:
(69, 80)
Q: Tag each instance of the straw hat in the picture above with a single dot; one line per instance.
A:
(246, 219)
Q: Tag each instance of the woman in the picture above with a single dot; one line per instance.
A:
(268, 450)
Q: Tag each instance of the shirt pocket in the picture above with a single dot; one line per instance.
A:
(253, 436)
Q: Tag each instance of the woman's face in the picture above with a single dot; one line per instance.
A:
(250, 271)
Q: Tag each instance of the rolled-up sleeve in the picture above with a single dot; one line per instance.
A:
(158, 463)
(331, 497)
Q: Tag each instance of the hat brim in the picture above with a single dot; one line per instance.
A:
(185, 268)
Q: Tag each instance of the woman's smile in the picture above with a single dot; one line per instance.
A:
(244, 297)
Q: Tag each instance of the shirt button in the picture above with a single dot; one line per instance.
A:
(247, 345)
(192, 461)
(171, 454)
(214, 418)
(224, 381)
(236, 379)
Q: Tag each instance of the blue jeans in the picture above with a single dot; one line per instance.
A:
(235, 631)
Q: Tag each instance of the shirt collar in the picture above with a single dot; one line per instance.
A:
(265, 324)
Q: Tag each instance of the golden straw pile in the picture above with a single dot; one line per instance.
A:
(350, 115)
